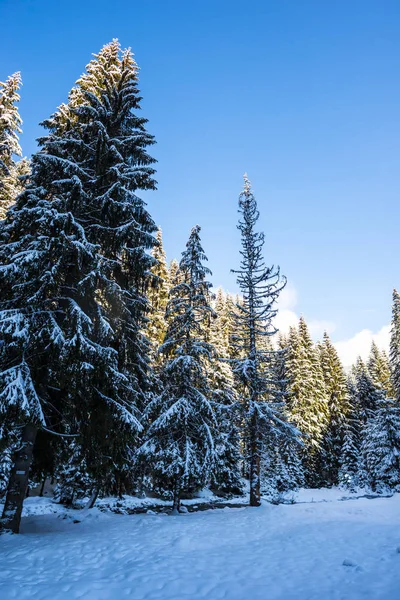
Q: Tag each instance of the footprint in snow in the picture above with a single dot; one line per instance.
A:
(349, 563)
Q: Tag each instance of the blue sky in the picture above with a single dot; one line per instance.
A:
(304, 96)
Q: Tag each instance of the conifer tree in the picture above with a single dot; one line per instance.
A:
(338, 407)
(100, 125)
(157, 294)
(179, 444)
(73, 481)
(221, 327)
(368, 398)
(260, 287)
(349, 471)
(289, 469)
(232, 312)
(368, 394)
(9, 441)
(45, 255)
(226, 472)
(10, 127)
(280, 368)
(307, 404)
(11, 185)
(104, 109)
(282, 470)
(395, 345)
(379, 369)
(173, 271)
(76, 251)
(381, 446)
(350, 475)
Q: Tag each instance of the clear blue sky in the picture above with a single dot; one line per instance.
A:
(303, 95)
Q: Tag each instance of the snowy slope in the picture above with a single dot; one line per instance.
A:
(314, 550)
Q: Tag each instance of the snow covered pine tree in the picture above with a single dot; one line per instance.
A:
(368, 398)
(338, 407)
(307, 403)
(226, 473)
(368, 394)
(157, 293)
(10, 127)
(10, 187)
(349, 472)
(73, 265)
(381, 446)
(260, 287)
(179, 445)
(379, 369)
(282, 470)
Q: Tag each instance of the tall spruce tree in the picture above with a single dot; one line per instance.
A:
(338, 407)
(10, 127)
(179, 445)
(307, 404)
(73, 481)
(76, 249)
(11, 174)
(282, 470)
(379, 369)
(46, 257)
(100, 127)
(223, 324)
(350, 459)
(226, 473)
(173, 272)
(368, 398)
(232, 312)
(281, 374)
(105, 104)
(395, 345)
(260, 287)
(158, 290)
(381, 446)
(368, 394)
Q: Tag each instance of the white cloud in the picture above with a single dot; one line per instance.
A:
(317, 328)
(287, 298)
(348, 350)
(285, 319)
(360, 344)
(287, 316)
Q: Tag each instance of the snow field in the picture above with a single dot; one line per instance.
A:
(319, 549)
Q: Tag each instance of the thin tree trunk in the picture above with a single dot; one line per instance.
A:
(92, 499)
(18, 482)
(177, 500)
(255, 494)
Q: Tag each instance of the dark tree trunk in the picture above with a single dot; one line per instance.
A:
(18, 482)
(121, 491)
(255, 493)
(177, 500)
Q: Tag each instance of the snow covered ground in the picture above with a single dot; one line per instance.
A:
(321, 548)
